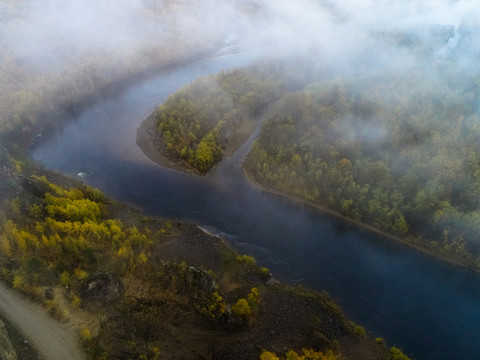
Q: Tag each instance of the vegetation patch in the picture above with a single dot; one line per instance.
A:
(199, 122)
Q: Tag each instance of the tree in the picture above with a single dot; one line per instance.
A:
(242, 310)
(267, 355)
(206, 153)
(397, 354)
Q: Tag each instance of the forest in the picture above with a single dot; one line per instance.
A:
(407, 165)
(214, 115)
(394, 150)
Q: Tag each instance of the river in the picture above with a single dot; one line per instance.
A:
(428, 308)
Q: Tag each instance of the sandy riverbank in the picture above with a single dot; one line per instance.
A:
(153, 147)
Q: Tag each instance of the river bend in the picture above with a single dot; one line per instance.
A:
(428, 308)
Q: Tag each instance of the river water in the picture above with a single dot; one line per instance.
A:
(426, 307)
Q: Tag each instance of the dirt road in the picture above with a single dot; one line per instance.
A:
(52, 339)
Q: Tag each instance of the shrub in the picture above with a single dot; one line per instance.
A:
(76, 301)
(397, 354)
(245, 259)
(253, 299)
(80, 274)
(242, 310)
(267, 355)
(359, 331)
(85, 334)
(215, 308)
(65, 278)
(18, 282)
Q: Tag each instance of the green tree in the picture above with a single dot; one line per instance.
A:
(242, 310)
(397, 354)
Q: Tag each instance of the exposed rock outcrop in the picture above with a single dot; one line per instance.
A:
(102, 287)
(7, 352)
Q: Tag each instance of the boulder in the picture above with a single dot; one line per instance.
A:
(102, 287)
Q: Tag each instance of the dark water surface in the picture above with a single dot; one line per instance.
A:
(428, 308)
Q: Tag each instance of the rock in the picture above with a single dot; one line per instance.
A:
(7, 352)
(102, 287)
(187, 279)
(49, 294)
(35, 187)
(204, 280)
(272, 282)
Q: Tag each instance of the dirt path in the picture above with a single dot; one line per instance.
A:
(52, 339)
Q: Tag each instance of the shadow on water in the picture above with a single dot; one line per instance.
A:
(428, 308)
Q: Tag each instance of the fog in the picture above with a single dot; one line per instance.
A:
(52, 34)
(54, 53)
(53, 30)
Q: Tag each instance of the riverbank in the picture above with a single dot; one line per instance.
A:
(154, 148)
(362, 225)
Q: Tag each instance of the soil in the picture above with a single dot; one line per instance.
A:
(188, 243)
(291, 318)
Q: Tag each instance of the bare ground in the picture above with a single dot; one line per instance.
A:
(52, 339)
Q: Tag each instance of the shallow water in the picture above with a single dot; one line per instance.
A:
(428, 308)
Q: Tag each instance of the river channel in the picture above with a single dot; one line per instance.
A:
(428, 308)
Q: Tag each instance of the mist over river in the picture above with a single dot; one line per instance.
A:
(428, 308)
